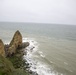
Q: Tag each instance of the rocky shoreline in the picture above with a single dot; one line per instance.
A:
(13, 53)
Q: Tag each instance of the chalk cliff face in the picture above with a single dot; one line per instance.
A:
(2, 51)
(15, 43)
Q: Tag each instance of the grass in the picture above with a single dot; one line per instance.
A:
(6, 67)
(12, 65)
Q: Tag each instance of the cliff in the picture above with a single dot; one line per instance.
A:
(2, 52)
(11, 62)
(7, 68)
(15, 43)
(17, 40)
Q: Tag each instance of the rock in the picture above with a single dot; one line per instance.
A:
(6, 47)
(17, 40)
(12, 50)
(32, 72)
(2, 52)
(25, 44)
(15, 43)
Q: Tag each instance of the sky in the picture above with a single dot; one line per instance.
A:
(38, 11)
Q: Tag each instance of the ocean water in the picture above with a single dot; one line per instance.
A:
(52, 49)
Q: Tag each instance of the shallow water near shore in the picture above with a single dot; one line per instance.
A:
(52, 49)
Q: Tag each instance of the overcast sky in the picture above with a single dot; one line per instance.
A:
(40, 11)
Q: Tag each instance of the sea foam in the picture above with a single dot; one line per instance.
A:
(35, 65)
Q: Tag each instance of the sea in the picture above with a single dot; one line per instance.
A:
(52, 49)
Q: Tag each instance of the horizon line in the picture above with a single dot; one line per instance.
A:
(36, 23)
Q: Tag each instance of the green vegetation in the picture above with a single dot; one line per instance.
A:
(12, 65)
(11, 62)
(6, 67)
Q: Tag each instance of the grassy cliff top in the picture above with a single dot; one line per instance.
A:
(6, 68)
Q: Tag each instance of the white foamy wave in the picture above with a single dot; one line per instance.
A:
(41, 54)
(35, 65)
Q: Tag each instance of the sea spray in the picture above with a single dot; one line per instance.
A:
(35, 65)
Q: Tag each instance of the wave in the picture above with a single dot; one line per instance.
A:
(36, 66)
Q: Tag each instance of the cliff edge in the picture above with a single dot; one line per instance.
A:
(2, 51)
(11, 62)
